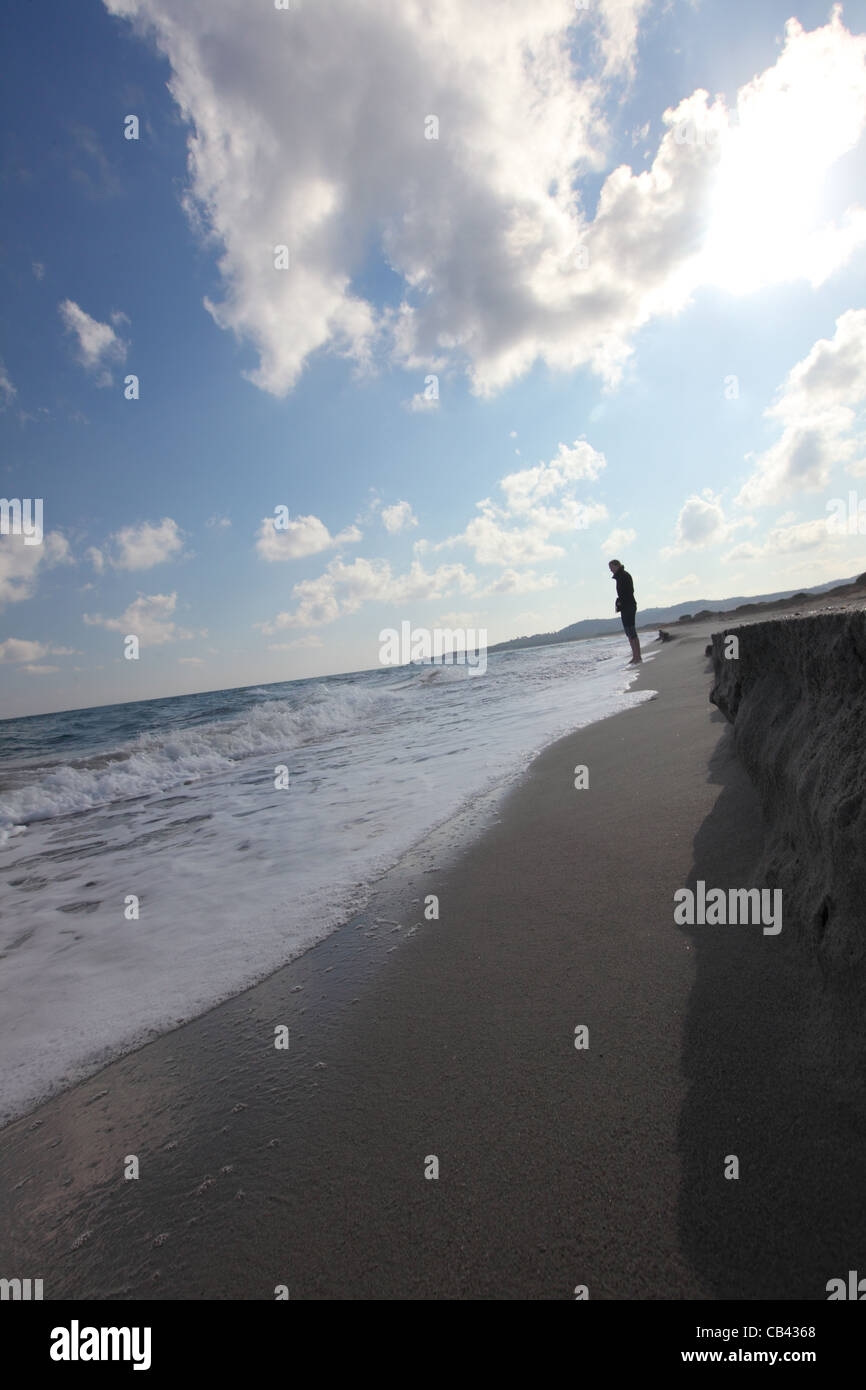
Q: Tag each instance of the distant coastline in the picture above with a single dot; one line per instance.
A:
(694, 610)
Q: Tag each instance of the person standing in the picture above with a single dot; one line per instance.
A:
(626, 606)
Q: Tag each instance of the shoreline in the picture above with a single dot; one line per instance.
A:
(446, 836)
(558, 1167)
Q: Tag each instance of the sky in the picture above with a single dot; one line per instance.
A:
(318, 318)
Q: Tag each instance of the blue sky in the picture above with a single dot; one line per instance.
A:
(652, 326)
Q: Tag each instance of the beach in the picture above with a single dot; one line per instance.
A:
(412, 1038)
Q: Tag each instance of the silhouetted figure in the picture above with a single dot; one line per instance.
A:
(626, 606)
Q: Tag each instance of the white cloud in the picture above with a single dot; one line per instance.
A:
(618, 38)
(620, 538)
(25, 416)
(17, 649)
(302, 535)
(817, 409)
(38, 269)
(220, 522)
(421, 402)
(144, 545)
(96, 558)
(579, 462)
(518, 532)
(484, 226)
(21, 564)
(8, 392)
(98, 344)
(795, 121)
(343, 589)
(686, 582)
(40, 670)
(398, 517)
(702, 523)
(512, 581)
(787, 540)
(149, 617)
(495, 543)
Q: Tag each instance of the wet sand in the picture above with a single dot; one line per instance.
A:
(454, 1038)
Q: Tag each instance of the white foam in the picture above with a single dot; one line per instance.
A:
(158, 761)
(234, 876)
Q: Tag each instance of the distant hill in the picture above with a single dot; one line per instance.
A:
(650, 617)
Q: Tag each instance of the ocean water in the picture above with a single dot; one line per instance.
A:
(174, 802)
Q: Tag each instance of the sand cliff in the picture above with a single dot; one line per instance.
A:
(796, 696)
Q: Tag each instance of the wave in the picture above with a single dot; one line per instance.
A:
(157, 760)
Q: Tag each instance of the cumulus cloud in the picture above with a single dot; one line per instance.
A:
(494, 542)
(17, 649)
(21, 565)
(220, 522)
(578, 462)
(97, 343)
(514, 536)
(20, 649)
(142, 546)
(512, 121)
(308, 129)
(518, 531)
(765, 208)
(149, 618)
(785, 540)
(619, 539)
(512, 581)
(702, 523)
(343, 589)
(817, 409)
(300, 536)
(617, 37)
(398, 517)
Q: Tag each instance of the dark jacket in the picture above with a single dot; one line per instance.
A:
(625, 598)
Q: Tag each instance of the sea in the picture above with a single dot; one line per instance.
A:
(157, 857)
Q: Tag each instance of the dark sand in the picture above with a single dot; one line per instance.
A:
(558, 1167)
